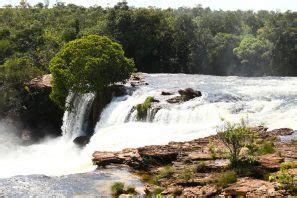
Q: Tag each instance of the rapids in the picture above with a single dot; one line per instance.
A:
(267, 100)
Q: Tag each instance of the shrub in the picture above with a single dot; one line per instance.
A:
(166, 171)
(286, 180)
(226, 178)
(117, 188)
(235, 137)
(130, 190)
(201, 167)
(188, 173)
(143, 108)
(267, 147)
(87, 65)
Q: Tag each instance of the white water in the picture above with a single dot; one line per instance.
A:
(75, 119)
(269, 101)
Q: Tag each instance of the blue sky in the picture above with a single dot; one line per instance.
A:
(280, 5)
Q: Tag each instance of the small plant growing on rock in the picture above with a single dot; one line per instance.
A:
(267, 147)
(226, 178)
(119, 188)
(165, 172)
(285, 178)
(235, 137)
(188, 173)
(143, 108)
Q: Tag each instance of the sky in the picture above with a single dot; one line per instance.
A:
(276, 5)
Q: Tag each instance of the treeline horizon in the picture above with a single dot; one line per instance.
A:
(185, 40)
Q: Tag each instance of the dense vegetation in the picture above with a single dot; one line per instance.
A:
(196, 40)
(88, 65)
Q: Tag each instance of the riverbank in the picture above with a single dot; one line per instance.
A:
(201, 168)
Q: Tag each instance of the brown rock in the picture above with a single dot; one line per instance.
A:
(197, 156)
(176, 99)
(217, 165)
(173, 191)
(41, 82)
(276, 133)
(200, 191)
(160, 155)
(270, 161)
(106, 158)
(248, 187)
(287, 150)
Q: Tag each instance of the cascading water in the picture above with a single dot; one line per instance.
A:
(268, 100)
(75, 119)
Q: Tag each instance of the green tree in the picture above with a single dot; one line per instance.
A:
(254, 55)
(86, 65)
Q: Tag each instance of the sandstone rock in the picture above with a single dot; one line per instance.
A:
(106, 158)
(176, 190)
(270, 161)
(41, 82)
(247, 187)
(200, 191)
(287, 150)
(150, 188)
(276, 132)
(81, 140)
(217, 165)
(197, 156)
(158, 154)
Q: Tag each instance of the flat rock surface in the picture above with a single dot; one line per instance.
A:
(251, 188)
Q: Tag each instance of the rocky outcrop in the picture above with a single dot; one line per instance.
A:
(188, 169)
(39, 115)
(41, 82)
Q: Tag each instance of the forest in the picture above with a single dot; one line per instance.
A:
(186, 40)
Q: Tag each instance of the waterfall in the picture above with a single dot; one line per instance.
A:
(268, 100)
(75, 119)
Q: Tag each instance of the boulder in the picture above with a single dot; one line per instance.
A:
(81, 140)
(189, 93)
(185, 95)
(247, 187)
(201, 191)
(41, 82)
(270, 161)
(166, 93)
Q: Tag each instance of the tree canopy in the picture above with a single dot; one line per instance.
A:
(86, 65)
